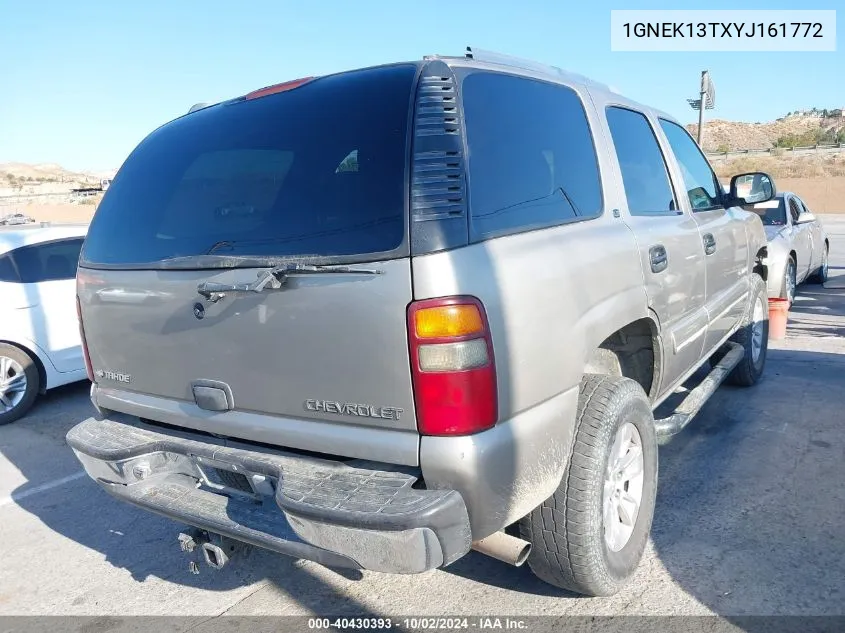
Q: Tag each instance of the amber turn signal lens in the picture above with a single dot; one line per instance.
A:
(448, 321)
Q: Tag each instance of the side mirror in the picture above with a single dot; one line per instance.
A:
(806, 218)
(751, 188)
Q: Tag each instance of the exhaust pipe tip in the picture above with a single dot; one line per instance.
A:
(523, 555)
(504, 547)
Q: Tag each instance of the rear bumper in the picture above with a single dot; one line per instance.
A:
(335, 513)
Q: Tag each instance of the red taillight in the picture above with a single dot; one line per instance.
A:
(282, 87)
(452, 365)
(85, 355)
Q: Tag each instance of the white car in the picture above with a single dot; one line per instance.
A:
(39, 330)
(15, 218)
(798, 244)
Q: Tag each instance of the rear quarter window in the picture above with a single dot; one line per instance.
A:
(532, 162)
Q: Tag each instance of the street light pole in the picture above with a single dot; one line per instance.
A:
(702, 94)
(706, 100)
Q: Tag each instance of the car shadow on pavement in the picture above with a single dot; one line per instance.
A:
(749, 511)
(483, 569)
(817, 313)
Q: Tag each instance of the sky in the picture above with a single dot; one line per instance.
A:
(82, 82)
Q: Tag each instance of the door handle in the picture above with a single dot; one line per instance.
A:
(658, 258)
(709, 244)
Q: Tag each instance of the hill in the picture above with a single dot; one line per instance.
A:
(784, 165)
(801, 129)
(45, 191)
(45, 178)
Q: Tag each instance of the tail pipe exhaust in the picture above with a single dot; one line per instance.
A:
(504, 547)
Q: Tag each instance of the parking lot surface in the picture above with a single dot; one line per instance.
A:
(750, 516)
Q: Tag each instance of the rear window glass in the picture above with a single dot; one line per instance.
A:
(49, 261)
(317, 171)
(772, 213)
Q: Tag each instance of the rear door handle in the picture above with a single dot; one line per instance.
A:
(658, 258)
(709, 243)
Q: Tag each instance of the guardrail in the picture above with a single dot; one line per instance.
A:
(18, 199)
(831, 148)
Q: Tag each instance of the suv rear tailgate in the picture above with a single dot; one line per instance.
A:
(324, 347)
(314, 174)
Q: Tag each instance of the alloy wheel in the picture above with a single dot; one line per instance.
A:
(623, 487)
(12, 384)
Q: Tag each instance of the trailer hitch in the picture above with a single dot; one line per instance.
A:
(216, 550)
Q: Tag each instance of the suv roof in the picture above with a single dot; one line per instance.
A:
(478, 58)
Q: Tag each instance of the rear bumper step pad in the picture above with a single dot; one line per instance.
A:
(322, 510)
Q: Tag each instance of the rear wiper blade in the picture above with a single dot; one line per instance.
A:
(311, 269)
(275, 278)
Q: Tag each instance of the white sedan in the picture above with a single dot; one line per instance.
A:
(798, 245)
(39, 331)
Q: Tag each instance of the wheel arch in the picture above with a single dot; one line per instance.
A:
(632, 351)
(760, 264)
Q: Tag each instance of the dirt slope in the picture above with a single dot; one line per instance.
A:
(720, 135)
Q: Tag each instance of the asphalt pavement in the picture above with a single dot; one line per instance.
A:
(750, 517)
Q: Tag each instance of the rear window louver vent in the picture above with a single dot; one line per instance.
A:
(437, 109)
(437, 187)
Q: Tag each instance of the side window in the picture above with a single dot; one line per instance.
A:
(804, 207)
(644, 173)
(50, 261)
(702, 186)
(532, 163)
(794, 209)
(8, 272)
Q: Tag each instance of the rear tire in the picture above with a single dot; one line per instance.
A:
(790, 286)
(820, 276)
(572, 547)
(754, 338)
(19, 383)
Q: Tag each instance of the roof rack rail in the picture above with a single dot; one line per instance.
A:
(526, 64)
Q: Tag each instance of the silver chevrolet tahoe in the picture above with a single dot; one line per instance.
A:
(381, 318)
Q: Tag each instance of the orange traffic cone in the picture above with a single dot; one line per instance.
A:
(778, 311)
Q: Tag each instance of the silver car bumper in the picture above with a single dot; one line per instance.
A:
(335, 513)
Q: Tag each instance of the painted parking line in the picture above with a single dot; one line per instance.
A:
(17, 496)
